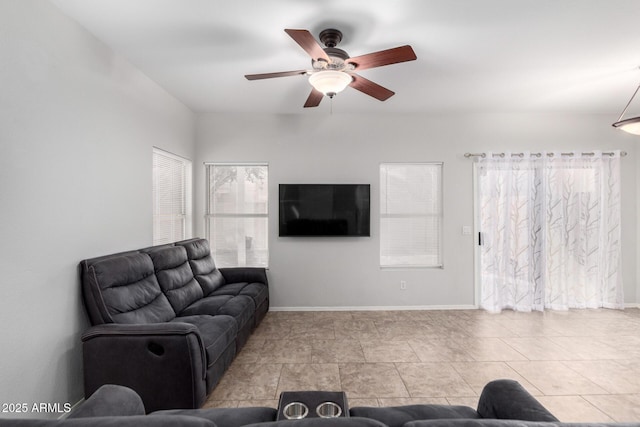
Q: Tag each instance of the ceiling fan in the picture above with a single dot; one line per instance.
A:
(333, 70)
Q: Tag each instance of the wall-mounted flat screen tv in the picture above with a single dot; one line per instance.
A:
(324, 209)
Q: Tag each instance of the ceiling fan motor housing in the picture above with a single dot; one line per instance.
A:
(330, 37)
(337, 61)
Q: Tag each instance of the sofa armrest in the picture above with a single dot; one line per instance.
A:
(165, 363)
(507, 399)
(140, 329)
(244, 274)
(110, 400)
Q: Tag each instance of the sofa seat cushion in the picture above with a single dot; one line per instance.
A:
(217, 332)
(241, 308)
(259, 292)
(396, 416)
(207, 305)
(227, 417)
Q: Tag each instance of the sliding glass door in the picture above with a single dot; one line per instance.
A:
(549, 231)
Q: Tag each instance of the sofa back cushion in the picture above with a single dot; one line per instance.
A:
(490, 422)
(397, 416)
(202, 265)
(132, 421)
(175, 276)
(123, 289)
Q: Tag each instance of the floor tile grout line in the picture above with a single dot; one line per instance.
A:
(469, 319)
(595, 407)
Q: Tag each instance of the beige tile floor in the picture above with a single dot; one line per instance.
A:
(583, 365)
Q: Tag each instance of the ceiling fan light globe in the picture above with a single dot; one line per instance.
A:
(330, 81)
(631, 125)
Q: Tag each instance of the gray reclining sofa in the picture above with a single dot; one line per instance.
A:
(166, 322)
(503, 403)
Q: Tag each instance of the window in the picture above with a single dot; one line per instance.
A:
(238, 214)
(171, 197)
(411, 215)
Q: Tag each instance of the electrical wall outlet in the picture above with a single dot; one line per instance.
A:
(403, 285)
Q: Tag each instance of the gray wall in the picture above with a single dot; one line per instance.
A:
(318, 147)
(77, 127)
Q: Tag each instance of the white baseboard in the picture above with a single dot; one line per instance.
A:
(396, 308)
(378, 308)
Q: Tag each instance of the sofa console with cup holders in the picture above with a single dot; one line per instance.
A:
(296, 405)
(166, 322)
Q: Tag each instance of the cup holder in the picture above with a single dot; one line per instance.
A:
(328, 410)
(295, 411)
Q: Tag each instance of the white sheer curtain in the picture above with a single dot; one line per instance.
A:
(550, 229)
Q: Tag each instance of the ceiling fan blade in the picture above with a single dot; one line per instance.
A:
(383, 57)
(272, 75)
(370, 88)
(314, 98)
(305, 39)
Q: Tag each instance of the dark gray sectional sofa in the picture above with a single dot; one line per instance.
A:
(503, 403)
(166, 322)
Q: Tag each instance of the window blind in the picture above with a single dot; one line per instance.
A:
(411, 215)
(171, 197)
(238, 213)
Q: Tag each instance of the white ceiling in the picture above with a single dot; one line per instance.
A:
(473, 55)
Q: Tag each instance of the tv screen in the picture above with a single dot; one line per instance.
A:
(324, 209)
